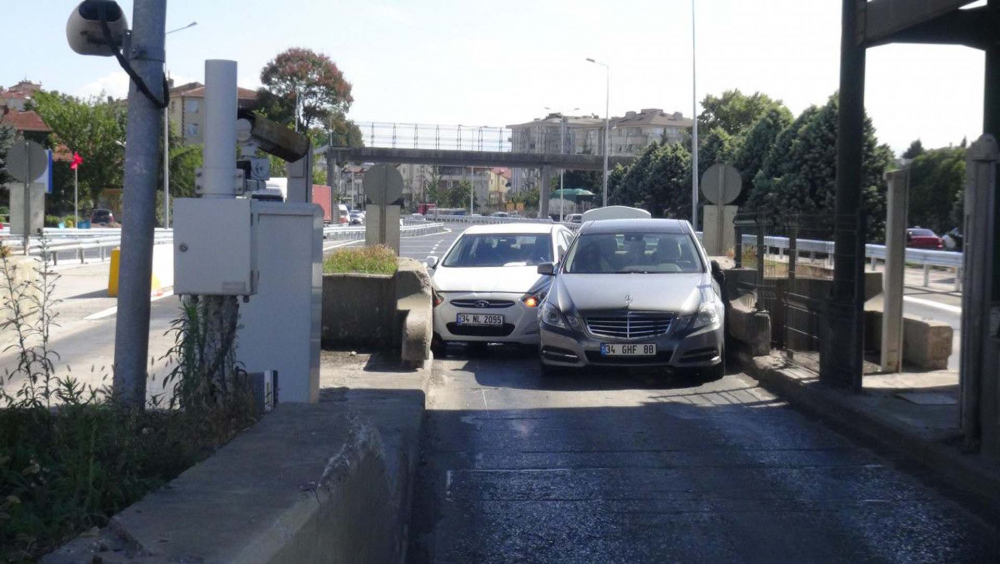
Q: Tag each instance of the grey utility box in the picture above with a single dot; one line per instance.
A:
(214, 252)
(280, 325)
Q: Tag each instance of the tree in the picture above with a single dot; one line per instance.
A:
(6, 141)
(658, 181)
(734, 112)
(937, 179)
(311, 78)
(719, 146)
(95, 129)
(799, 174)
(757, 144)
(916, 149)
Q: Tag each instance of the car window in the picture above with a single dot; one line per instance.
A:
(922, 233)
(487, 250)
(633, 253)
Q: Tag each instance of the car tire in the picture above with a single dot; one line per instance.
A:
(718, 371)
(438, 346)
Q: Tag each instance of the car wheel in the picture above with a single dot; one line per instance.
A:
(438, 346)
(718, 371)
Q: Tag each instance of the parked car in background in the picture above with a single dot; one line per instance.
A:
(501, 214)
(634, 292)
(574, 218)
(953, 240)
(343, 215)
(357, 218)
(487, 287)
(919, 238)
(102, 217)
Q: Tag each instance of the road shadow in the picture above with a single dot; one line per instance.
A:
(518, 367)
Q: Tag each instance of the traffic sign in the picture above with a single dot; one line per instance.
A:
(721, 184)
(26, 161)
(383, 184)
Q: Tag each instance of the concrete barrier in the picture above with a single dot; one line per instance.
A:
(414, 312)
(358, 309)
(163, 270)
(927, 343)
(391, 311)
(309, 483)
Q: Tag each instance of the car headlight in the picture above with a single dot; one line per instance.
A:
(552, 316)
(706, 316)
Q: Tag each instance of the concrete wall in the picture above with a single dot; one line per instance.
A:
(358, 309)
(927, 343)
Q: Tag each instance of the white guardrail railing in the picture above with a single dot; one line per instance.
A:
(924, 258)
(77, 243)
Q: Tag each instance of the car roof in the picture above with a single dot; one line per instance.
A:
(635, 225)
(512, 228)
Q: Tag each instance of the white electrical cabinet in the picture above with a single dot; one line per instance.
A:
(214, 251)
(280, 325)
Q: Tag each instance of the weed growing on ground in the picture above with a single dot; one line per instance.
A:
(71, 457)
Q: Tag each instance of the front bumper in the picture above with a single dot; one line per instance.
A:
(677, 349)
(520, 321)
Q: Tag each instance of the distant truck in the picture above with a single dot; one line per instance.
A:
(322, 196)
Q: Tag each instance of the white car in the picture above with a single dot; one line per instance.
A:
(487, 287)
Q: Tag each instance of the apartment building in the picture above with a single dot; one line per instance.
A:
(187, 110)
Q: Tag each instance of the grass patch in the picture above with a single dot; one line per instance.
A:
(366, 260)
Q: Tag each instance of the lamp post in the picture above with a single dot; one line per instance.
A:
(694, 119)
(562, 151)
(166, 148)
(607, 127)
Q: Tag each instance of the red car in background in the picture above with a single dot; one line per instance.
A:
(919, 238)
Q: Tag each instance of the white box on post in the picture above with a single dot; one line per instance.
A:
(214, 247)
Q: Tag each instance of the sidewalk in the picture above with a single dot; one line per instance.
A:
(914, 416)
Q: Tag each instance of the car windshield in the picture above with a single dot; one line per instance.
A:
(630, 253)
(922, 233)
(500, 250)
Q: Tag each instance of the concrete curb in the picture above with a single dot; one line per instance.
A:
(309, 483)
(967, 474)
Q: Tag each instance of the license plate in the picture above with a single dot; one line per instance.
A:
(628, 350)
(480, 319)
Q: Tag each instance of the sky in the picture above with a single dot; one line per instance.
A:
(491, 63)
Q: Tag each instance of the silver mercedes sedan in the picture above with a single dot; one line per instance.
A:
(634, 292)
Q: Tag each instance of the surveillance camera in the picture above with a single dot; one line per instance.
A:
(84, 33)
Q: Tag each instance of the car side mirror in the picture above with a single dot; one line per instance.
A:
(718, 273)
(547, 269)
(431, 262)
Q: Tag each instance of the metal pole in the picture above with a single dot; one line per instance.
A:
(76, 195)
(139, 205)
(694, 118)
(562, 172)
(607, 130)
(166, 167)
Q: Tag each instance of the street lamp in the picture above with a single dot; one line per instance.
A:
(694, 127)
(562, 151)
(166, 149)
(607, 127)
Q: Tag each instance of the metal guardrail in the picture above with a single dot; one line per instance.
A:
(924, 258)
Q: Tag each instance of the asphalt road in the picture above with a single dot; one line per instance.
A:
(640, 467)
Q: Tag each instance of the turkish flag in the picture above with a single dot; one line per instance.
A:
(77, 161)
